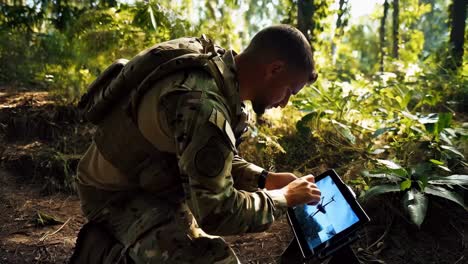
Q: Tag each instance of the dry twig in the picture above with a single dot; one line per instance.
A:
(44, 237)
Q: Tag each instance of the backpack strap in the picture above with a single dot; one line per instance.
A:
(184, 62)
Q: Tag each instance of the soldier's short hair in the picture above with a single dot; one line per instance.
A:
(286, 43)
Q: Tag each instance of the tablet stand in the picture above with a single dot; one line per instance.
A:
(340, 254)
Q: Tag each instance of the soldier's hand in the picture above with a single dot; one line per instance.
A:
(277, 180)
(302, 191)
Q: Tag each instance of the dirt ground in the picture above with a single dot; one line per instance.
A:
(387, 239)
(22, 240)
(41, 142)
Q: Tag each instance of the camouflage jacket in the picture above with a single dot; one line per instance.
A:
(189, 117)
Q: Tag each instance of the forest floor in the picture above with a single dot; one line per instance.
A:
(41, 142)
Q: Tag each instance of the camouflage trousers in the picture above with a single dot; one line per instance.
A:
(153, 230)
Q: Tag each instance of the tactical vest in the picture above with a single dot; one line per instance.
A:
(116, 94)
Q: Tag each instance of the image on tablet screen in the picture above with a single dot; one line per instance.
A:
(329, 217)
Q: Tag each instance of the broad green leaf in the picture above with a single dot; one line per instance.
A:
(443, 168)
(415, 203)
(389, 164)
(436, 162)
(451, 132)
(394, 167)
(421, 185)
(344, 131)
(423, 181)
(400, 172)
(383, 130)
(447, 194)
(406, 99)
(445, 139)
(429, 119)
(381, 175)
(303, 125)
(377, 151)
(444, 121)
(309, 117)
(421, 169)
(409, 115)
(451, 180)
(406, 184)
(453, 150)
(380, 189)
(151, 14)
(417, 129)
(462, 131)
(383, 110)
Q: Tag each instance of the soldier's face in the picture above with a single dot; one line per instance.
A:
(277, 89)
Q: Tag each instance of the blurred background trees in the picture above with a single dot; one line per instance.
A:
(389, 108)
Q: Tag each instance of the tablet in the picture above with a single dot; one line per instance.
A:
(321, 228)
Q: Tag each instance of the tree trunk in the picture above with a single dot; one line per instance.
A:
(396, 24)
(457, 32)
(305, 11)
(382, 35)
(341, 22)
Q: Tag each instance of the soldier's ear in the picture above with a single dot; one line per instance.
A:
(274, 68)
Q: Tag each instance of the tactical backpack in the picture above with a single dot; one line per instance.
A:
(116, 94)
(111, 103)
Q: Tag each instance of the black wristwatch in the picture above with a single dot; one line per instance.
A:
(262, 179)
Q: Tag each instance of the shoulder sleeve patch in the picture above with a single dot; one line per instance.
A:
(210, 160)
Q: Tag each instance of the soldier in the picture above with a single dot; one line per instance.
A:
(162, 179)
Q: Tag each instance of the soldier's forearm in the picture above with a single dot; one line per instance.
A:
(241, 212)
(245, 174)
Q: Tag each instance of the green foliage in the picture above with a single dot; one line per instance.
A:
(399, 131)
(415, 182)
(400, 128)
(43, 219)
(63, 47)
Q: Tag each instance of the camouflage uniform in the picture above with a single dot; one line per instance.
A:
(176, 213)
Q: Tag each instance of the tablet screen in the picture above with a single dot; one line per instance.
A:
(329, 217)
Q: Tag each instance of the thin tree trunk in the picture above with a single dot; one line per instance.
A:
(457, 32)
(305, 11)
(396, 24)
(382, 36)
(301, 20)
(341, 22)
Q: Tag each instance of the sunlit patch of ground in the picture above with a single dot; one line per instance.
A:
(13, 99)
